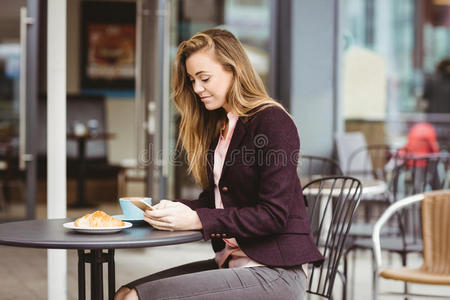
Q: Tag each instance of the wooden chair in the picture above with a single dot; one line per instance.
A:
(331, 204)
(413, 175)
(436, 243)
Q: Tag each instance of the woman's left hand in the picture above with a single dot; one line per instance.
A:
(168, 215)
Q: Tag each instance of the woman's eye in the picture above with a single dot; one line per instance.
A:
(205, 79)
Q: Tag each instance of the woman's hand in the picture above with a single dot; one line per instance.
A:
(168, 215)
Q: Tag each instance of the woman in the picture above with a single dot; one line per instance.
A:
(242, 148)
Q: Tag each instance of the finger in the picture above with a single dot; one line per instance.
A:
(164, 203)
(157, 223)
(158, 227)
(159, 206)
(168, 203)
(159, 213)
(165, 219)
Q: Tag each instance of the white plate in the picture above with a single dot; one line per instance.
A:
(123, 218)
(70, 225)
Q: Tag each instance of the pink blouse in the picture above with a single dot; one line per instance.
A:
(238, 257)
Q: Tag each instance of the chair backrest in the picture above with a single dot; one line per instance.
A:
(331, 204)
(346, 144)
(371, 161)
(315, 167)
(418, 174)
(415, 175)
(436, 232)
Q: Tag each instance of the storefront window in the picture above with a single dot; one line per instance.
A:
(391, 49)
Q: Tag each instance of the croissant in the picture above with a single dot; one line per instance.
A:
(98, 219)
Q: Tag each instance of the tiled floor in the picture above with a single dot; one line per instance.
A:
(23, 271)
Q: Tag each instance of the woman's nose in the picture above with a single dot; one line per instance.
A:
(198, 88)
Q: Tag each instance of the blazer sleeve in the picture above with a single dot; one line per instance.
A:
(276, 136)
(204, 200)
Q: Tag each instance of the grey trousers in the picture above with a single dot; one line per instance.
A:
(203, 280)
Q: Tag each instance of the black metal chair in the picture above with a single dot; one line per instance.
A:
(412, 175)
(314, 167)
(331, 204)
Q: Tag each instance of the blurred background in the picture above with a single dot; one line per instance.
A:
(337, 66)
(378, 68)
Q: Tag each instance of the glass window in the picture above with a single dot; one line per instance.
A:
(391, 50)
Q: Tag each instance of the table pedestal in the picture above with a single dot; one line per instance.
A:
(96, 258)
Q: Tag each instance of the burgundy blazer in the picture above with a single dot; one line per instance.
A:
(263, 202)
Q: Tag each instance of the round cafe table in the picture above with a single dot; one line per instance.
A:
(51, 234)
(369, 187)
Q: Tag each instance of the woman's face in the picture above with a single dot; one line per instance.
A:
(210, 80)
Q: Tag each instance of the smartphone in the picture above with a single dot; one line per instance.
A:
(141, 204)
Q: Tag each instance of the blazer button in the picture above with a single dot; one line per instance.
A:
(224, 235)
(225, 189)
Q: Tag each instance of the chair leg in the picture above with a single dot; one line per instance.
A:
(374, 277)
(345, 275)
(344, 282)
(352, 284)
(405, 284)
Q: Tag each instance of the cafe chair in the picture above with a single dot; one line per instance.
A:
(435, 269)
(413, 175)
(331, 204)
(314, 167)
(371, 161)
(346, 144)
(368, 163)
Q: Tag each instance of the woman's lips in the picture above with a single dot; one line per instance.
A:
(205, 98)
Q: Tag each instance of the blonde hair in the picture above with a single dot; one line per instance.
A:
(199, 126)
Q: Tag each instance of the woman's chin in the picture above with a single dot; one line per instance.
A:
(211, 107)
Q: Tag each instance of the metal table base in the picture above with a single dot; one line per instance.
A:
(96, 257)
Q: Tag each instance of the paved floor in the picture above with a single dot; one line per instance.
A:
(23, 271)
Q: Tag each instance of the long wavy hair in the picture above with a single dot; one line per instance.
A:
(245, 97)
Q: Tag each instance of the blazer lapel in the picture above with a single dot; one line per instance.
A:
(238, 134)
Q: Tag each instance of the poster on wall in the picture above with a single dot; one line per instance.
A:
(108, 46)
(111, 52)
